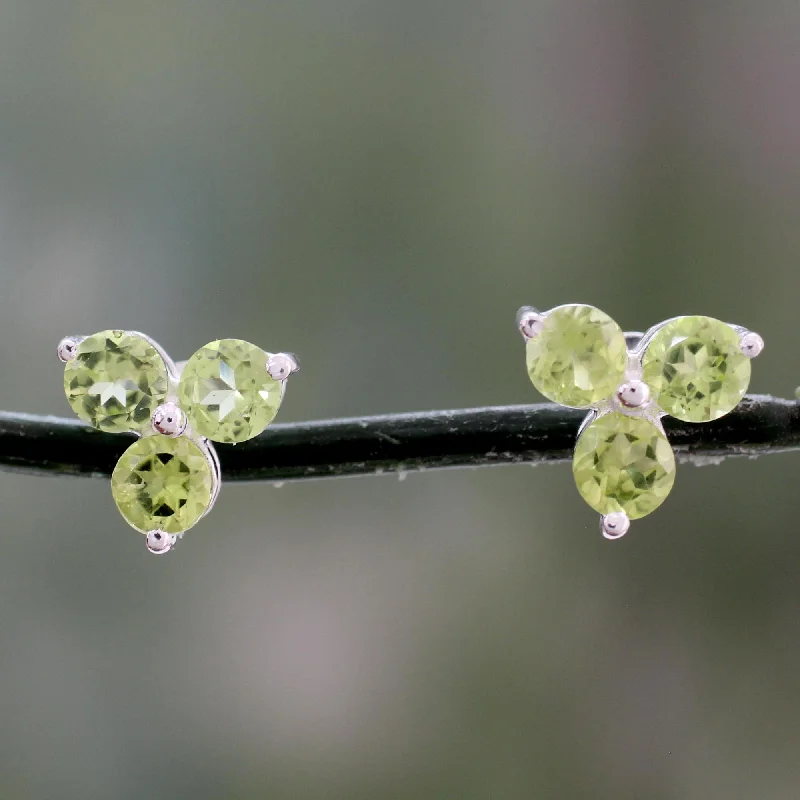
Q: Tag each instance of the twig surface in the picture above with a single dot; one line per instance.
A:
(534, 434)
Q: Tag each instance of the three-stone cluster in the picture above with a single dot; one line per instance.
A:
(693, 368)
(122, 381)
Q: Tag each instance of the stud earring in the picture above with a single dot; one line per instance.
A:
(123, 381)
(695, 369)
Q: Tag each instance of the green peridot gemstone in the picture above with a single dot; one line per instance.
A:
(695, 369)
(579, 356)
(227, 393)
(623, 463)
(163, 484)
(115, 381)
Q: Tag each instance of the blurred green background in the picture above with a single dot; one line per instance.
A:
(377, 185)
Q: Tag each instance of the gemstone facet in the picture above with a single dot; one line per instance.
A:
(578, 357)
(695, 368)
(115, 381)
(226, 391)
(162, 484)
(623, 463)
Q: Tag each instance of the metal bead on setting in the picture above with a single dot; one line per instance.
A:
(281, 365)
(68, 348)
(633, 394)
(615, 525)
(751, 344)
(159, 542)
(169, 420)
(529, 322)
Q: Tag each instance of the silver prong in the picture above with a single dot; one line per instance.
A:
(159, 542)
(615, 524)
(751, 344)
(216, 472)
(171, 369)
(633, 394)
(633, 339)
(529, 322)
(281, 365)
(68, 348)
(169, 420)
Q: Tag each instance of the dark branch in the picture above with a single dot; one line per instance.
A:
(399, 442)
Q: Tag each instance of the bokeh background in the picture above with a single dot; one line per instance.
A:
(377, 185)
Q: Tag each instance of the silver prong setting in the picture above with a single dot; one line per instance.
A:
(281, 365)
(68, 348)
(634, 394)
(529, 322)
(751, 344)
(160, 542)
(169, 420)
(615, 525)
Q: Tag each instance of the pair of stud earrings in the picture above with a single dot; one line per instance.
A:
(693, 368)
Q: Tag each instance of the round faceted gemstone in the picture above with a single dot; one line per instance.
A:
(162, 484)
(623, 463)
(579, 356)
(227, 393)
(115, 381)
(696, 369)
